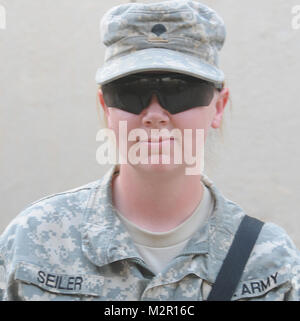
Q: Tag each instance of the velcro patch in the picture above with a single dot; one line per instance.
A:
(258, 287)
(83, 284)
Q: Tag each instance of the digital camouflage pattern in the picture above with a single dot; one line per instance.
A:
(178, 36)
(72, 246)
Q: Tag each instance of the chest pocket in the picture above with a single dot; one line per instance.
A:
(38, 283)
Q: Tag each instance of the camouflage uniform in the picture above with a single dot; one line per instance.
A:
(72, 246)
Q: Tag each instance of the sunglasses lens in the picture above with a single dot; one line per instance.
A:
(123, 95)
(180, 95)
(176, 92)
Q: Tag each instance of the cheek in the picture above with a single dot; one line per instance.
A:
(196, 118)
(122, 123)
(116, 116)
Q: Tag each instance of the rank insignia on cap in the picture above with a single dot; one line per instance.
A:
(158, 30)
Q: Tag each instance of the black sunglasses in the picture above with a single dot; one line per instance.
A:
(176, 92)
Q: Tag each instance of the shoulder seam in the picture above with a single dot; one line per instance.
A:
(57, 194)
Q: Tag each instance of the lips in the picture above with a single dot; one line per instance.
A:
(157, 139)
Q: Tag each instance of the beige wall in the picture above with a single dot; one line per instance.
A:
(49, 53)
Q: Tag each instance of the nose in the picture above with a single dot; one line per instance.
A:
(155, 115)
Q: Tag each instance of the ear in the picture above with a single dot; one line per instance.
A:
(220, 106)
(102, 102)
(104, 107)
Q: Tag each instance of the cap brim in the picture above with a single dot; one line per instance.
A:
(159, 59)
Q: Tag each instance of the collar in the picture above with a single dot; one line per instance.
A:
(106, 240)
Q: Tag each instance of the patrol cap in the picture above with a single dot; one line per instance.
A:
(181, 36)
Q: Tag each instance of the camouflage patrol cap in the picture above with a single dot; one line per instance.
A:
(178, 36)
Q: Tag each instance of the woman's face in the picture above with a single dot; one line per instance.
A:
(155, 117)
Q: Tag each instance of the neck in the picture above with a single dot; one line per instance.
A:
(157, 201)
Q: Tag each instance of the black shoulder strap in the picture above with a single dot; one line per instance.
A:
(236, 259)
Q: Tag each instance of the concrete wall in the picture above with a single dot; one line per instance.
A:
(49, 53)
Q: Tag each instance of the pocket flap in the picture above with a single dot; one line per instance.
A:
(84, 284)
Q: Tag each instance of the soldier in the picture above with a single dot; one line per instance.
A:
(148, 231)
